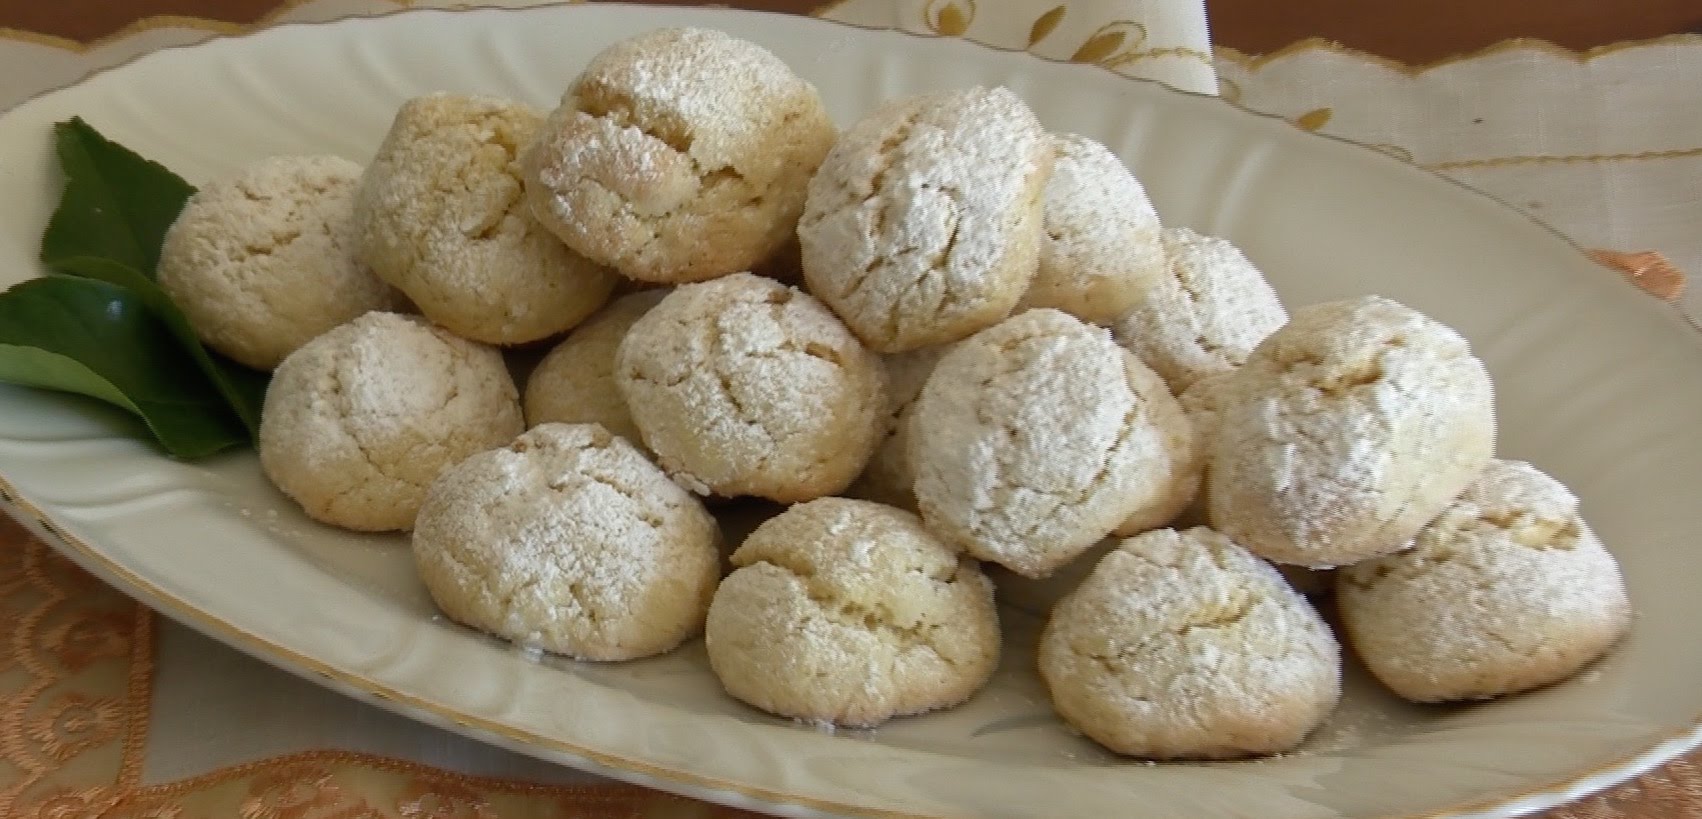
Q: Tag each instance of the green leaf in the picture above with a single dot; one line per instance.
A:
(242, 388)
(116, 205)
(97, 339)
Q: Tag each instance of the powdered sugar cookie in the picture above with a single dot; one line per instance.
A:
(1506, 590)
(1032, 440)
(263, 261)
(849, 612)
(442, 219)
(575, 382)
(1100, 249)
(359, 421)
(744, 386)
(1355, 424)
(1181, 645)
(889, 478)
(1204, 314)
(923, 224)
(679, 155)
(569, 540)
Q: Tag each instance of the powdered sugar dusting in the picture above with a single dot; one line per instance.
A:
(1032, 441)
(570, 540)
(1204, 314)
(1357, 422)
(1506, 589)
(908, 236)
(1181, 644)
(1100, 249)
(443, 219)
(751, 387)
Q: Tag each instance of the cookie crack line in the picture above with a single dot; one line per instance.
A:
(849, 613)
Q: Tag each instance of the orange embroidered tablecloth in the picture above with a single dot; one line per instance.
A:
(93, 686)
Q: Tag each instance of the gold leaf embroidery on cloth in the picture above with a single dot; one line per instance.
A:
(1650, 271)
(1044, 24)
(949, 18)
(1314, 119)
(1110, 43)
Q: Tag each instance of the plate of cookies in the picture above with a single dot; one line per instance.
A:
(838, 421)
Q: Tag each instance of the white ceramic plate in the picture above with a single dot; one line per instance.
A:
(1597, 383)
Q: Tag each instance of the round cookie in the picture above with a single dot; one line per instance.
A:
(442, 218)
(744, 386)
(1182, 645)
(889, 477)
(575, 382)
(1100, 249)
(263, 261)
(359, 421)
(569, 540)
(1506, 590)
(679, 155)
(849, 612)
(1033, 439)
(1355, 424)
(1203, 314)
(924, 223)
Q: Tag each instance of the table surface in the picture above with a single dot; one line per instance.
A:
(1410, 32)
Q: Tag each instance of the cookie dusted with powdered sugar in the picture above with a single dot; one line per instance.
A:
(1203, 314)
(263, 261)
(1033, 439)
(889, 478)
(359, 421)
(1353, 426)
(744, 386)
(850, 612)
(924, 223)
(442, 219)
(1182, 645)
(569, 540)
(1100, 249)
(679, 155)
(575, 382)
(1506, 590)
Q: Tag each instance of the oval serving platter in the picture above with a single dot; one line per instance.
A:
(1596, 383)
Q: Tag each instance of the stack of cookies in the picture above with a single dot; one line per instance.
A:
(955, 346)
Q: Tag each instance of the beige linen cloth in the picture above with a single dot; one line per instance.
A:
(106, 709)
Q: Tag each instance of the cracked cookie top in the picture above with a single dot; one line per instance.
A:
(889, 478)
(263, 261)
(1204, 313)
(359, 421)
(744, 386)
(1354, 425)
(923, 224)
(575, 382)
(569, 540)
(1182, 645)
(1033, 439)
(1100, 248)
(1507, 589)
(679, 155)
(442, 219)
(849, 612)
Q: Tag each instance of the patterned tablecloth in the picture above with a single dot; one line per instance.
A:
(108, 710)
